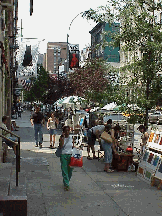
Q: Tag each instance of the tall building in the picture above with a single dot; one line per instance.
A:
(56, 56)
(110, 54)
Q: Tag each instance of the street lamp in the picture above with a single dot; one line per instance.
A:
(68, 40)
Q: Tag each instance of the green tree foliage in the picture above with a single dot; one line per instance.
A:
(93, 81)
(58, 88)
(39, 87)
(46, 89)
(140, 40)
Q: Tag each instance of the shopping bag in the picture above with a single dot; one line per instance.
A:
(106, 137)
(76, 158)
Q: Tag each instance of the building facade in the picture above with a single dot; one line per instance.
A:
(110, 54)
(8, 63)
(55, 57)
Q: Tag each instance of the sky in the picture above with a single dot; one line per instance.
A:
(51, 19)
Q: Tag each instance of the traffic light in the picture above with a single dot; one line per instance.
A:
(27, 57)
(31, 7)
(73, 59)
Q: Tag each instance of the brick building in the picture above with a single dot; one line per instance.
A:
(56, 56)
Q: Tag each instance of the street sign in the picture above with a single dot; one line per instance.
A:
(17, 91)
(73, 47)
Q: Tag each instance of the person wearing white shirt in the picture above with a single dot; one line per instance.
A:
(67, 144)
(51, 126)
(92, 134)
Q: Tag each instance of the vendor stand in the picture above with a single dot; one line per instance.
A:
(121, 161)
(122, 157)
(150, 166)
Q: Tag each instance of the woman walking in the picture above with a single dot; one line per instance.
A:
(51, 126)
(67, 144)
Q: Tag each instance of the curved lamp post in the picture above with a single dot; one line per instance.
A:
(68, 41)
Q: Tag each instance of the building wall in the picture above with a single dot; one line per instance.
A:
(8, 31)
(54, 57)
(109, 53)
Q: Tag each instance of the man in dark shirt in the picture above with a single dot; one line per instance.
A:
(37, 119)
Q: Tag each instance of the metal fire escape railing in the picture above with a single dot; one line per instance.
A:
(17, 144)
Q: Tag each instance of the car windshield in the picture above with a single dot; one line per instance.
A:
(114, 117)
(157, 113)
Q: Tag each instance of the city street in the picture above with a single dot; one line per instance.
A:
(92, 191)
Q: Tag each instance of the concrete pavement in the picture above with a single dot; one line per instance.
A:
(92, 191)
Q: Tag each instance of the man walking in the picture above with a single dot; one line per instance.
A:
(37, 119)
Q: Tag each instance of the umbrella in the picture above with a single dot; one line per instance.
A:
(109, 106)
(59, 101)
(72, 99)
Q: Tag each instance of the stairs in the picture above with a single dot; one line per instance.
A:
(13, 199)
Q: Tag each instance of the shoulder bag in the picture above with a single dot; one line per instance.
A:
(106, 137)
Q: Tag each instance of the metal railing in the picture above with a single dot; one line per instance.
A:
(17, 144)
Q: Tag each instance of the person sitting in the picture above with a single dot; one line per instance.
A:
(14, 126)
(7, 135)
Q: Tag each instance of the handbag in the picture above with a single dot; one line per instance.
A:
(106, 137)
(58, 152)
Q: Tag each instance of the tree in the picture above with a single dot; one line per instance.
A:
(46, 89)
(58, 88)
(93, 81)
(140, 39)
(39, 87)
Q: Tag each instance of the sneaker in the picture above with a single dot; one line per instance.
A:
(40, 144)
(89, 158)
(36, 145)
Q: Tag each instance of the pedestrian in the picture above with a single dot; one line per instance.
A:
(19, 110)
(66, 142)
(51, 126)
(92, 134)
(144, 138)
(37, 119)
(85, 124)
(107, 147)
(8, 135)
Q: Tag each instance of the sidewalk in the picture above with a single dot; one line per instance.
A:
(92, 191)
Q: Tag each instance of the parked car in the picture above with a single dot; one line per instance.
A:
(154, 117)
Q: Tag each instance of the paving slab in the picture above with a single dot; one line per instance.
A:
(92, 191)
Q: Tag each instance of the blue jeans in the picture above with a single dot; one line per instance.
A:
(10, 144)
(107, 147)
(38, 129)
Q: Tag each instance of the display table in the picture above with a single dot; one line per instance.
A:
(121, 161)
